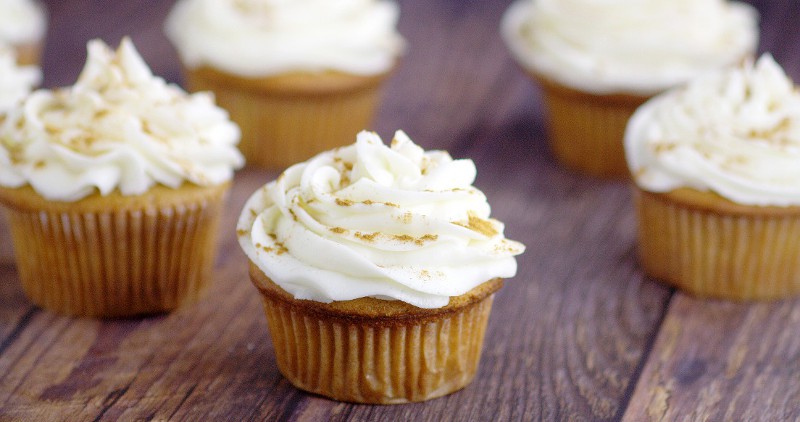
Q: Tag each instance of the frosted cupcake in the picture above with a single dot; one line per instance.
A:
(717, 166)
(596, 62)
(377, 267)
(299, 77)
(23, 24)
(114, 189)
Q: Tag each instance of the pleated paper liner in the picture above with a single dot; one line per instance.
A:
(117, 255)
(376, 351)
(711, 247)
(290, 118)
(586, 130)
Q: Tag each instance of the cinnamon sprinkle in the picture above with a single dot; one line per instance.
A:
(369, 237)
(478, 224)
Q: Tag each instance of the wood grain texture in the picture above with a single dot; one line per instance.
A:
(579, 334)
(716, 360)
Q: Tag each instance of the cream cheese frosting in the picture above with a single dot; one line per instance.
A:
(630, 46)
(735, 132)
(367, 220)
(21, 21)
(257, 38)
(118, 128)
(16, 82)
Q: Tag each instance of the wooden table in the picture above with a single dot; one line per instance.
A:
(579, 334)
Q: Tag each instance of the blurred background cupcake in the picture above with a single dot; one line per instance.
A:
(23, 24)
(596, 62)
(16, 82)
(114, 188)
(299, 77)
(717, 170)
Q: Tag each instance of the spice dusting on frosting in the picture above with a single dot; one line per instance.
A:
(403, 238)
(735, 132)
(477, 224)
(405, 218)
(386, 232)
(368, 237)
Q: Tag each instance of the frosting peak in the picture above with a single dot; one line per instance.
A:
(368, 220)
(118, 127)
(735, 132)
(638, 46)
(257, 38)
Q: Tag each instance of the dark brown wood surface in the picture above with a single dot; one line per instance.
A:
(579, 334)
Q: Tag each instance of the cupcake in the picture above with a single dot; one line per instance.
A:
(377, 267)
(717, 171)
(22, 26)
(114, 189)
(299, 77)
(596, 62)
(16, 82)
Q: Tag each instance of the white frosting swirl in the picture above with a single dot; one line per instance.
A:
(367, 220)
(735, 132)
(256, 38)
(21, 21)
(118, 127)
(632, 46)
(15, 81)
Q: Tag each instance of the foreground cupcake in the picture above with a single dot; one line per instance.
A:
(299, 77)
(717, 165)
(377, 267)
(114, 189)
(22, 26)
(596, 62)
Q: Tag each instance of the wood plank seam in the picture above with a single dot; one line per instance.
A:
(636, 376)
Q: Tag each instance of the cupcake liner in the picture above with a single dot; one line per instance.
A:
(391, 358)
(586, 130)
(115, 256)
(711, 247)
(288, 119)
